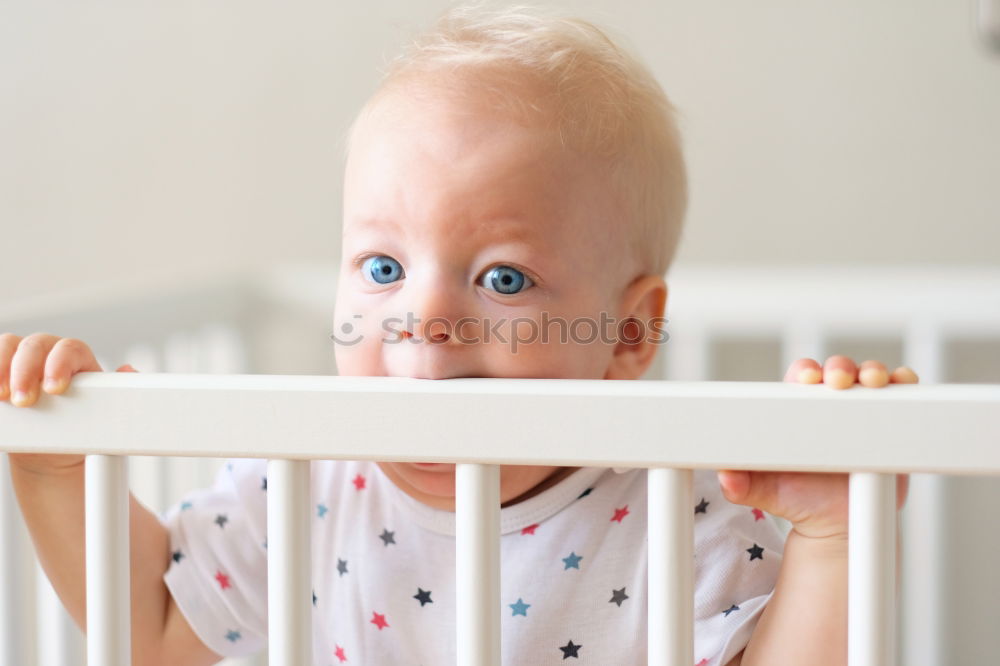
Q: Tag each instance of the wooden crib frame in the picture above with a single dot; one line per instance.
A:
(669, 427)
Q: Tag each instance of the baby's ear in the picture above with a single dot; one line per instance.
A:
(640, 331)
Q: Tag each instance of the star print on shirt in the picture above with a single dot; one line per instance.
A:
(585, 493)
(756, 553)
(620, 514)
(702, 506)
(617, 597)
(314, 597)
(185, 506)
(341, 567)
(572, 561)
(423, 596)
(177, 555)
(339, 653)
(703, 662)
(263, 483)
(359, 482)
(223, 580)
(233, 636)
(221, 520)
(321, 510)
(519, 608)
(379, 621)
(731, 609)
(570, 650)
(387, 536)
(757, 515)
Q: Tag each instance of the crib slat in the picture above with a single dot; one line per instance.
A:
(109, 636)
(12, 622)
(289, 563)
(477, 564)
(872, 575)
(671, 567)
(924, 586)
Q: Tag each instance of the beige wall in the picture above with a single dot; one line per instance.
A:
(162, 136)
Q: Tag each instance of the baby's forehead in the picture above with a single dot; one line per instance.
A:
(503, 92)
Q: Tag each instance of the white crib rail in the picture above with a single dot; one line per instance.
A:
(679, 425)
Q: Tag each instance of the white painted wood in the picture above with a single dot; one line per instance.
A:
(477, 564)
(924, 564)
(712, 425)
(12, 617)
(688, 352)
(802, 338)
(670, 622)
(872, 570)
(289, 563)
(107, 557)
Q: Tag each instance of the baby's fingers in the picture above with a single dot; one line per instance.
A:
(873, 374)
(839, 372)
(8, 344)
(68, 357)
(26, 365)
(804, 371)
(903, 375)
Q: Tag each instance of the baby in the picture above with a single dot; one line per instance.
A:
(512, 170)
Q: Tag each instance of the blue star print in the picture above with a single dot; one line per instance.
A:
(321, 510)
(520, 608)
(233, 636)
(572, 562)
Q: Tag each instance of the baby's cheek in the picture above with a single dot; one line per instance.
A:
(357, 350)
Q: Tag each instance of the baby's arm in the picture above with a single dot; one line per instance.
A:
(50, 490)
(805, 622)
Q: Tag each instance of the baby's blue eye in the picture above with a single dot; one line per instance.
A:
(382, 269)
(506, 280)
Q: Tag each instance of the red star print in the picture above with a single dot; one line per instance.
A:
(757, 515)
(379, 621)
(703, 662)
(620, 513)
(223, 580)
(530, 529)
(359, 482)
(339, 654)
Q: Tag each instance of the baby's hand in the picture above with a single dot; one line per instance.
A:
(25, 362)
(815, 503)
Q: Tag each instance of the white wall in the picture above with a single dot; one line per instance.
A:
(151, 137)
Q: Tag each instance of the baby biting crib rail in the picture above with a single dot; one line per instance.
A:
(669, 427)
(215, 325)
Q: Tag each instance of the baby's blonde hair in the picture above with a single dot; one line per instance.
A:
(602, 99)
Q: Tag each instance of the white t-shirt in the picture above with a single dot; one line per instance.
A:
(573, 569)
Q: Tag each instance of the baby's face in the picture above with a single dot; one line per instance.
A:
(462, 229)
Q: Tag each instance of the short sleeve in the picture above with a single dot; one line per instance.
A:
(738, 552)
(218, 569)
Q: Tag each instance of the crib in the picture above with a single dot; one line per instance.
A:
(246, 357)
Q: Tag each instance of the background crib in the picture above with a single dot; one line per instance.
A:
(729, 324)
